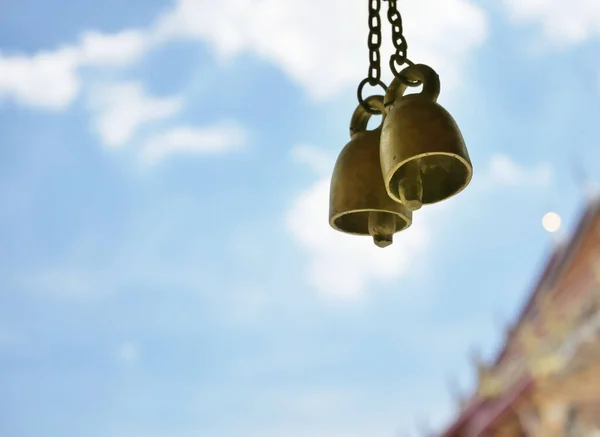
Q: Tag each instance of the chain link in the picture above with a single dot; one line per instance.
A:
(400, 57)
(374, 44)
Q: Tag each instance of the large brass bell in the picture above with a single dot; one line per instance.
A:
(424, 159)
(358, 202)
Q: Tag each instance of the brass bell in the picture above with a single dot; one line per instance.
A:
(424, 159)
(358, 201)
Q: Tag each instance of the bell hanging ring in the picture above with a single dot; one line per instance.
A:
(424, 159)
(358, 201)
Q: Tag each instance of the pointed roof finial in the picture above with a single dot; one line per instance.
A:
(456, 393)
(475, 357)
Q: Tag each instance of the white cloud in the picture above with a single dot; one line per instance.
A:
(322, 44)
(46, 80)
(220, 138)
(562, 22)
(315, 42)
(428, 25)
(112, 50)
(319, 44)
(503, 171)
(121, 109)
(315, 158)
(50, 79)
(341, 265)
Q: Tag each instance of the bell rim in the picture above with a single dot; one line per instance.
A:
(466, 162)
(408, 219)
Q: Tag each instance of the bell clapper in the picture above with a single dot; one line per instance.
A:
(410, 187)
(382, 226)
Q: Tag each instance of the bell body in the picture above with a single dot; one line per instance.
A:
(358, 202)
(424, 159)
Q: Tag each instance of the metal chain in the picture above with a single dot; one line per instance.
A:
(374, 44)
(400, 57)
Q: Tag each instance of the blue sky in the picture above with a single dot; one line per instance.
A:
(166, 266)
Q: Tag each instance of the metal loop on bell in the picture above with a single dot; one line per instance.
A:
(397, 60)
(363, 102)
(414, 75)
(360, 118)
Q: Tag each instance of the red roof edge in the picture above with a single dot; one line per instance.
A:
(503, 405)
(463, 418)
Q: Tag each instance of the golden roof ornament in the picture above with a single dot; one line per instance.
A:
(547, 365)
(529, 341)
(590, 304)
(489, 385)
(556, 323)
(540, 359)
(531, 345)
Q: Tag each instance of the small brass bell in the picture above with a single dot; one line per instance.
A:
(424, 159)
(358, 201)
